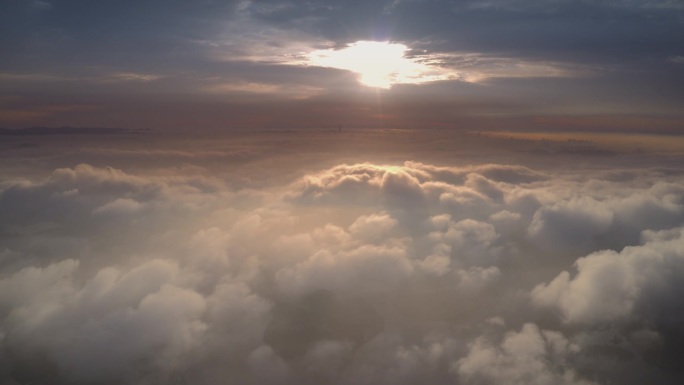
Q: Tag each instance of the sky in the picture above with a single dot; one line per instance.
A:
(341, 192)
(216, 65)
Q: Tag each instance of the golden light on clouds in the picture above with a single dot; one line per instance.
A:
(381, 64)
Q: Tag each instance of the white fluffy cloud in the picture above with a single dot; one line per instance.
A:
(360, 273)
(612, 286)
(531, 356)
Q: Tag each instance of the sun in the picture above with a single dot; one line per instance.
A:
(378, 64)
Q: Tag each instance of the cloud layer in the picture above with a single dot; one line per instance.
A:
(206, 65)
(355, 274)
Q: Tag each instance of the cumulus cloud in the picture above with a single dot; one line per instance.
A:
(355, 274)
(531, 356)
(612, 286)
(570, 225)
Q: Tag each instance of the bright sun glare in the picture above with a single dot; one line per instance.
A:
(378, 64)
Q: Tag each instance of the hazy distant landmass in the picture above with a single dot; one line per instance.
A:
(70, 131)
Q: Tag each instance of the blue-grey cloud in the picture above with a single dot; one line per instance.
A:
(66, 59)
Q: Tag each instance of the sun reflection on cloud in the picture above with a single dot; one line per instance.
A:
(381, 64)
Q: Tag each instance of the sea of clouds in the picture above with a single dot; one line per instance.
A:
(358, 273)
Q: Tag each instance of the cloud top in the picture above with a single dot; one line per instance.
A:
(355, 274)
